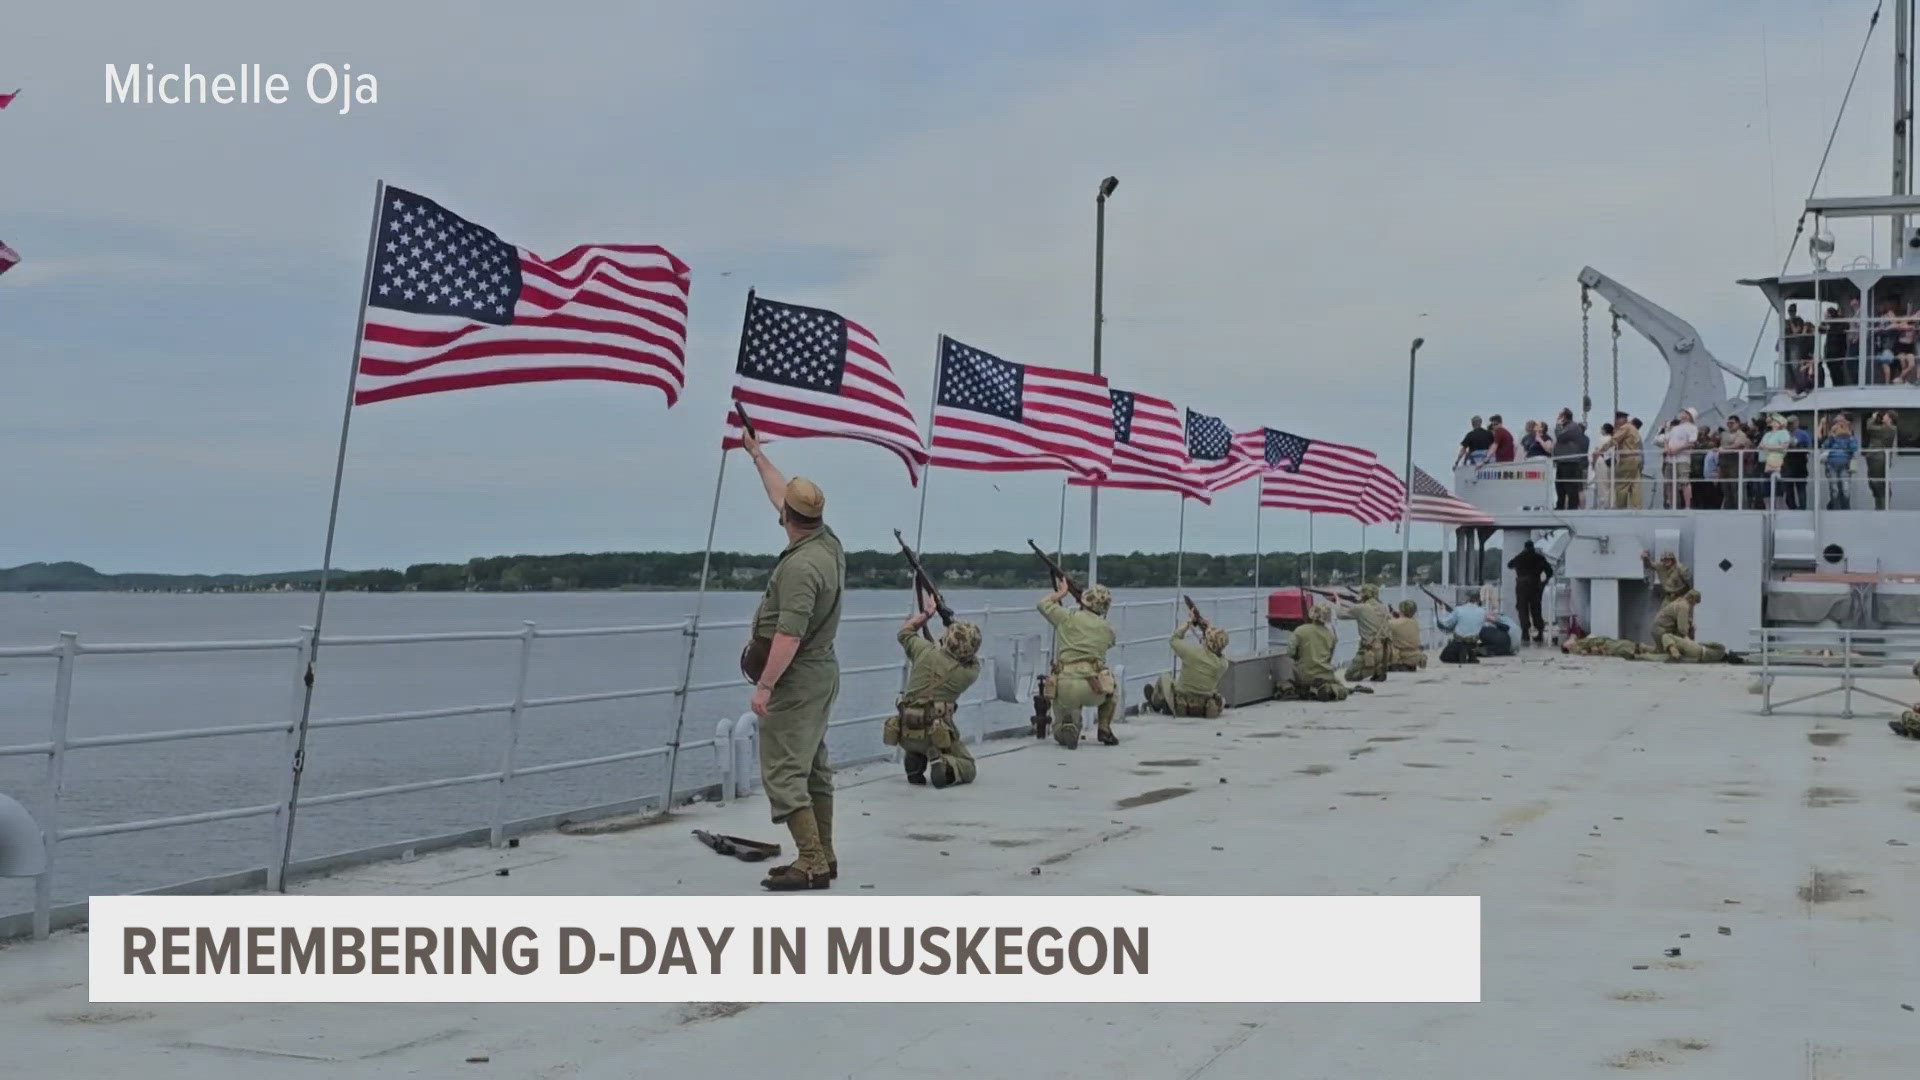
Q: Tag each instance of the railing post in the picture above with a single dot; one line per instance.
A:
(1846, 674)
(56, 779)
(510, 742)
(1766, 672)
(282, 814)
(692, 632)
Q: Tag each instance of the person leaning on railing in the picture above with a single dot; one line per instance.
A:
(1569, 461)
(1840, 446)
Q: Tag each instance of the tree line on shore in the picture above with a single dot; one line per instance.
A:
(668, 570)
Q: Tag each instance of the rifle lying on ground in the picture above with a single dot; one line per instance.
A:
(1054, 568)
(1193, 610)
(923, 586)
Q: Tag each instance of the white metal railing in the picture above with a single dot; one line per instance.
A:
(1843, 655)
(1734, 479)
(68, 651)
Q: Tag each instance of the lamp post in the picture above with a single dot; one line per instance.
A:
(1406, 509)
(1099, 276)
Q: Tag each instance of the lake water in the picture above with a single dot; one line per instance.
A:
(141, 693)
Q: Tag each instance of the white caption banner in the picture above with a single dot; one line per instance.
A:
(812, 947)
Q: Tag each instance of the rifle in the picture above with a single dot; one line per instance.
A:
(741, 411)
(1330, 593)
(1436, 599)
(1199, 620)
(923, 585)
(1054, 568)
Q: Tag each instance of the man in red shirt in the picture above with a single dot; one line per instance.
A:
(1503, 449)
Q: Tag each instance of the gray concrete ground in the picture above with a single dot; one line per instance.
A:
(1606, 812)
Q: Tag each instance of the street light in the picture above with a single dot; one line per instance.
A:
(1406, 509)
(1099, 275)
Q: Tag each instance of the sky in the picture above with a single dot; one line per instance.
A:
(1304, 187)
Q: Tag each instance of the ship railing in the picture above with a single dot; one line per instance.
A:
(1877, 351)
(297, 653)
(1732, 479)
(1843, 656)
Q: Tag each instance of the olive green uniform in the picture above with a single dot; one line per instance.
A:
(923, 725)
(1313, 676)
(1673, 635)
(1626, 467)
(1674, 579)
(1908, 726)
(1618, 648)
(1404, 650)
(1195, 692)
(1080, 643)
(802, 600)
(1878, 440)
(1369, 660)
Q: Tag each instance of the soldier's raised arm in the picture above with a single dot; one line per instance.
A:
(771, 477)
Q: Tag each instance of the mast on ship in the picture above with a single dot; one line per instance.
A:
(1902, 118)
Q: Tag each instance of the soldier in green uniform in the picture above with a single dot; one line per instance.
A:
(1908, 726)
(922, 724)
(1675, 581)
(1404, 649)
(1312, 650)
(1196, 692)
(1673, 633)
(1370, 617)
(794, 691)
(1618, 648)
(1080, 677)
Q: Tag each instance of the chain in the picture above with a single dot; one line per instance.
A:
(1586, 357)
(1616, 361)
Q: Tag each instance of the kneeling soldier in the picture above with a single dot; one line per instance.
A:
(1908, 726)
(1080, 676)
(1370, 616)
(1404, 651)
(1673, 633)
(1312, 649)
(1196, 691)
(923, 723)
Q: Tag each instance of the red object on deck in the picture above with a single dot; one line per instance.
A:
(1288, 607)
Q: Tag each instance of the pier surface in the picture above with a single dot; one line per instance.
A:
(1606, 812)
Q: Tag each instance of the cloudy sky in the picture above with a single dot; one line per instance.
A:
(1304, 187)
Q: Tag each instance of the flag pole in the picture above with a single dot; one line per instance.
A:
(1363, 553)
(1310, 575)
(299, 762)
(700, 597)
(1257, 508)
(1060, 543)
(926, 477)
(1179, 557)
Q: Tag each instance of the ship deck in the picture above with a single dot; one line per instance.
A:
(1606, 812)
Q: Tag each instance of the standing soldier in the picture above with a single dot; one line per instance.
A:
(1370, 618)
(1080, 676)
(923, 723)
(1626, 463)
(1404, 649)
(1674, 579)
(798, 675)
(1312, 650)
(1196, 692)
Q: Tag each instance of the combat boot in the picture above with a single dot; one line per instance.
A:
(809, 869)
(942, 773)
(823, 821)
(1108, 738)
(1067, 734)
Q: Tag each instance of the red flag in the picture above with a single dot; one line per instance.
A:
(7, 99)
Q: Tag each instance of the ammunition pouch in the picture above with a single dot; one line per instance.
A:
(1210, 706)
(753, 658)
(927, 722)
(1099, 679)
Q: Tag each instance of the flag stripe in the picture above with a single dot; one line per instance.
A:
(994, 415)
(1431, 501)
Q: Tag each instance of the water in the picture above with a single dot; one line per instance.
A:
(119, 694)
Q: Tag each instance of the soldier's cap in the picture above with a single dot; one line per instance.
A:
(805, 500)
(1693, 595)
(1669, 557)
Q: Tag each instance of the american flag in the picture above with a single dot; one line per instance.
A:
(1149, 449)
(1313, 474)
(7, 99)
(998, 416)
(1219, 460)
(1433, 502)
(806, 372)
(9, 258)
(453, 306)
(1384, 498)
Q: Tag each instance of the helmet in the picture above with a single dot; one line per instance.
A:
(1096, 598)
(1369, 591)
(1409, 608)
(1322, 614)
(1215, 639)
(1693, 596)
(961, 641)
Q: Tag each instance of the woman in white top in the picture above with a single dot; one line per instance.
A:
(1601, 497)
